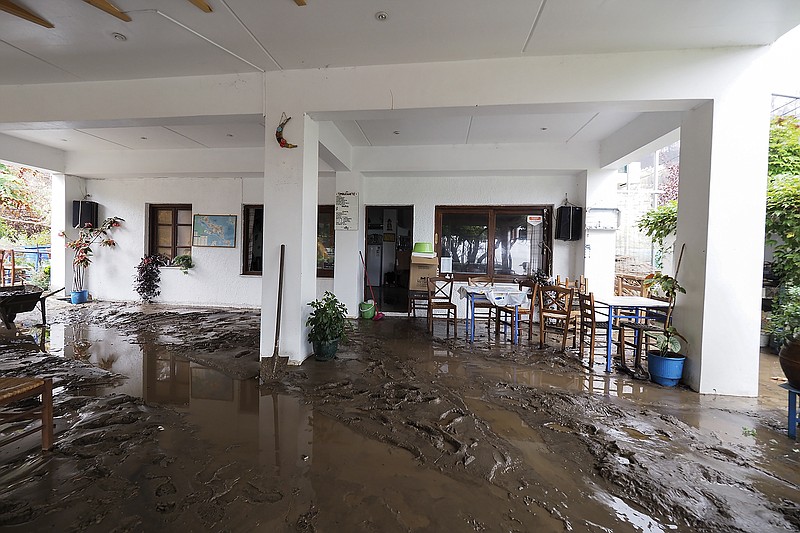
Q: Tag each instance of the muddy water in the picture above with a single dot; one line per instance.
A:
(162, 425)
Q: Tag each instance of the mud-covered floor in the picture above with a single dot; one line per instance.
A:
(161, 425)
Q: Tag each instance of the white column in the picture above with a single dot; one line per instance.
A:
(600, 246)
(290, 218)
(348, 275)
(721, 221)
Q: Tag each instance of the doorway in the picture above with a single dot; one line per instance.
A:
(388, 245)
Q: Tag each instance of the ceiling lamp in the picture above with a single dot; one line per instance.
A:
(381, 15)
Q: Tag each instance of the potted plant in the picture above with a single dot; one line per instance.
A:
(785, 324)
(328, 326)
(184, 262)
(666, 363)
(148, 276)
(82, 246)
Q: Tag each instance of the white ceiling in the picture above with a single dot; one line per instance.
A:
(175, 38)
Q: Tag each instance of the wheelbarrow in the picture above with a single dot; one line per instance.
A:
(21, 299)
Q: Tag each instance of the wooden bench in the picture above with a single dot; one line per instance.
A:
(12, 390)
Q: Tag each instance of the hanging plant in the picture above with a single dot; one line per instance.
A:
(148, 276)
(184, 262)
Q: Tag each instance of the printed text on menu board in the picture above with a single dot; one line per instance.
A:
(346, 211)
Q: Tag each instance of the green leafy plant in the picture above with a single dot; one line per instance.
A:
(328, 320)
(148, 276)
(783, 226)
(667, 341)
(184, 262)
(660, 222)
(784, 321)
(784, 146)
(82, 246)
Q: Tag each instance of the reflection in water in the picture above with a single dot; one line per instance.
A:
(229, 413)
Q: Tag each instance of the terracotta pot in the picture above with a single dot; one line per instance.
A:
(789, 358)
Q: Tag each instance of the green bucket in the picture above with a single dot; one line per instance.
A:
(367, 309)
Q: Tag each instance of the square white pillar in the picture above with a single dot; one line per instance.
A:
(721, 212)
(290, 218)
(348, 275)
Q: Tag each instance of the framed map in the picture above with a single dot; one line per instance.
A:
(214, 230)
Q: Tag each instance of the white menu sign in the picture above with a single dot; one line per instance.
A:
(346, 211)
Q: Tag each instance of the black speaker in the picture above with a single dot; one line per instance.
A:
(569, 223)
(84, 212)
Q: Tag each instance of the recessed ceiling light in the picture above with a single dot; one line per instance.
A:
(64, 140)
(229, 135)
(396, 132)
(143, 138)
(381, 15)
(543, 129)
(119, 36)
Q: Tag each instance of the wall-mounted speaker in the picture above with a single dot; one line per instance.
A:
(84, 212)
(569, 223)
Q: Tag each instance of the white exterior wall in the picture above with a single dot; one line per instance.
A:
(216, 277)
(425, 193)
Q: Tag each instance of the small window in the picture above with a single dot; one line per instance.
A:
(253, 260)
(325, 241)
(171, 229)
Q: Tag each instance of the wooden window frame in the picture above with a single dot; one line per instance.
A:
(153, 222)
(492, 211)
(328, 211)
(247, 237)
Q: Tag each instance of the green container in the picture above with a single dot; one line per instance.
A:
(423, 247)
(367, 309)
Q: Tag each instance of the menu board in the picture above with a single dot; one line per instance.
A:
(346, 211)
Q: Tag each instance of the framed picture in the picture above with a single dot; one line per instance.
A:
(214, 230)
(388, 237)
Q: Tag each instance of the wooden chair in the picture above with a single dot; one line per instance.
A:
(440, 296)
(628, 285)
(582, 285)
(505, 314)
(12, 390)
(417, 300)
(555, 307)
(590, 322)
(484, 305)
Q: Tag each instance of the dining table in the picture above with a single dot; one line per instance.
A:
(498, 296)
(634, 308)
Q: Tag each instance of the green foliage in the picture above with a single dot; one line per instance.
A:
(327, 320)
(666, 285)
(42, 277)
(784, 321)
(667, 341)
(24, 204)
(184, 262)
(784, 146)
(783, 225)
(660, 222)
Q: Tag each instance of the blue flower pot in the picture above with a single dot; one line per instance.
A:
(666, 371)
(79, 297)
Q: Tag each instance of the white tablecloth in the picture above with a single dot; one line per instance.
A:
(496, 295)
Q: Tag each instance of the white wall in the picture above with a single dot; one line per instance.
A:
(425, 193)
(216, 277)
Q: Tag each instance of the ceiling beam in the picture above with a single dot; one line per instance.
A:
(202, 5)
(109, 8)
(300, 2)
(18, 11)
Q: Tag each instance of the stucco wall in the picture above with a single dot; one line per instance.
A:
(215, 279)
(425, 193)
